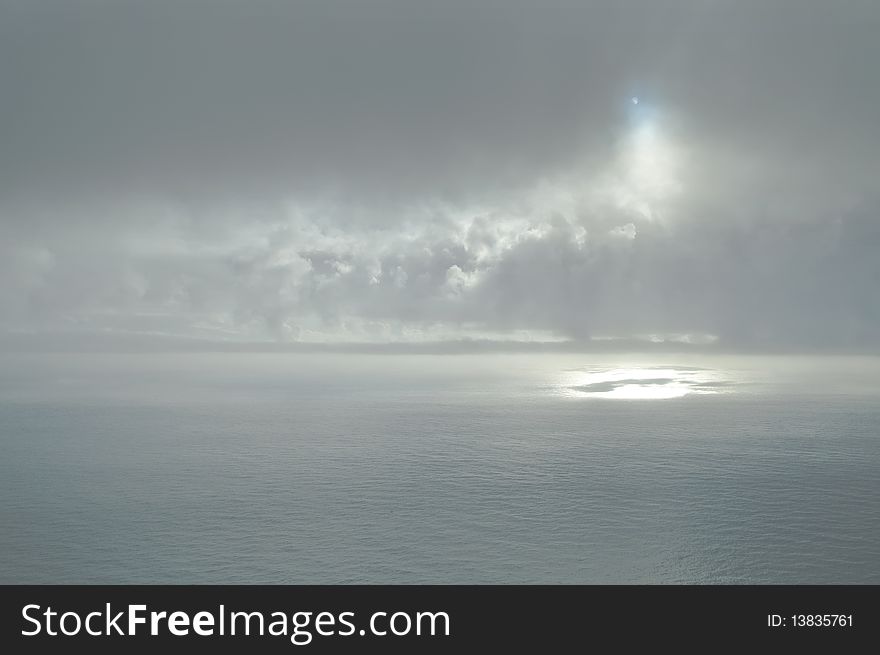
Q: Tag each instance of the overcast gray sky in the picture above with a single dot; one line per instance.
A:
(697, 170)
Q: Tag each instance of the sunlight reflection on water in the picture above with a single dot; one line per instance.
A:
(643, 383)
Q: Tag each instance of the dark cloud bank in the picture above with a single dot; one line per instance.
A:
(299, 172)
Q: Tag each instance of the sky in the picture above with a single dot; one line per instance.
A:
(697, 172)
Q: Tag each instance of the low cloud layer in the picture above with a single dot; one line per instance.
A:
(691, 172)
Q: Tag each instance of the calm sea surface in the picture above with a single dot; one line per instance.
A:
(298, 468)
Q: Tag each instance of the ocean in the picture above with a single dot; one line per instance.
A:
(386, 468)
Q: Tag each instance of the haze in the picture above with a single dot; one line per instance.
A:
(398, 173)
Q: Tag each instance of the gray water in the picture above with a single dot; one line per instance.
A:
(243, 468)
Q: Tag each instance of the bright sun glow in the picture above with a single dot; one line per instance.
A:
(647, 172)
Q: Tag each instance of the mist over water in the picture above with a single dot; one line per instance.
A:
(296, 468)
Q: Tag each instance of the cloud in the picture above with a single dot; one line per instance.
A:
(385, 171)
